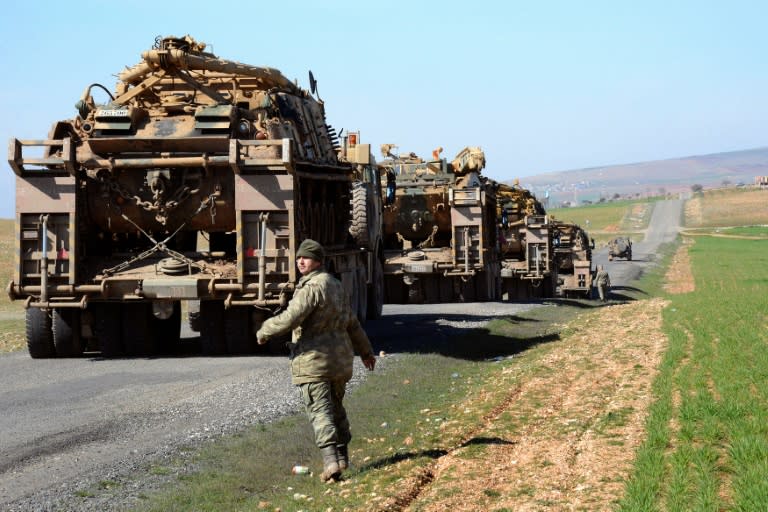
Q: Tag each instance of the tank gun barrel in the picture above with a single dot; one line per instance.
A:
(180, 59)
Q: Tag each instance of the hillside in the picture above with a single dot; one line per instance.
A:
(670, 176)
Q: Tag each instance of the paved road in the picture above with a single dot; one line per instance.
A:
(663, 227)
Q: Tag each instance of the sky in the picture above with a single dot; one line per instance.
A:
(540, 86)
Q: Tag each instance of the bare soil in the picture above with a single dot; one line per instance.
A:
(564, 439)
(571, 455)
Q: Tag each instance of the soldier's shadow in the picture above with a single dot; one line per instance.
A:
(432, 454)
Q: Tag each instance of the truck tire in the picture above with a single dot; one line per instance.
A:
(39, 334)
(66, 332)
(359, 226)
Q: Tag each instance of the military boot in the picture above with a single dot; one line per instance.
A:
(343, 452)
(331, 470)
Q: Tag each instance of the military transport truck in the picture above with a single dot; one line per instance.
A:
(195, 180)
(620, 247)
(573, 259)
(439, 228)
(527, 256)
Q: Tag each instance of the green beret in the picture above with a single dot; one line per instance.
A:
(311, 249)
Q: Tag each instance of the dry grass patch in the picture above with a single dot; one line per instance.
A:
(583, 421)
(727, 207)
(679, 277)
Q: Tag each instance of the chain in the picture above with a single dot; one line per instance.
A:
(180, 195)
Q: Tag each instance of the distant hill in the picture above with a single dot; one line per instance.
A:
(675, 175)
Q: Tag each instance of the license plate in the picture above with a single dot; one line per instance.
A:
(113, 113)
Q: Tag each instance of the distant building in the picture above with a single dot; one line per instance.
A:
(761, 181)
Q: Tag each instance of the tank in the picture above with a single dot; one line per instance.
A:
(527, 255)
(620, 247)
(193, 182)
(439, 228)
(573, 259)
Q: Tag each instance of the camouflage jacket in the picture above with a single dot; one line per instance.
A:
(326, 333)
(602, 278)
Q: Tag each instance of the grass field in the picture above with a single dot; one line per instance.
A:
(707, 433)
(11, 313)
(604, 221)
(6, 261)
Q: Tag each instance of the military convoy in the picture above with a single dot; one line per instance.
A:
(195, 180)
(194, 183)
(451, 234)
(439, 229)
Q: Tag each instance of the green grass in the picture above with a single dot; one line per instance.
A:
(604, 221)
(739, 231)
(6, 263)
(391, 412)
(707, 445)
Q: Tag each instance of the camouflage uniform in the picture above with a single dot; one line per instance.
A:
(326, 334)
(603, 282)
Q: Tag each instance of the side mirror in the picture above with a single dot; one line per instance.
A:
(391, 185)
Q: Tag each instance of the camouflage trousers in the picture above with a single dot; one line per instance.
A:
(323, 403)
(602, 290)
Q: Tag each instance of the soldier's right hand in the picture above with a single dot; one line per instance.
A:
(369, 362)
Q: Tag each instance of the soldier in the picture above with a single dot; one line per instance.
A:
(326, 333)
(602, 282)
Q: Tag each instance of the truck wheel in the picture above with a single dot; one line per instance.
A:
(359, 227)
(212, 340)
(107, 329)
(39, 334)
(66, 332)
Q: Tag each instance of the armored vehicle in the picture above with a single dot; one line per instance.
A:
(439, 228)
(527, 256)
(195, 180)
(620, 247)
(573, 259)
